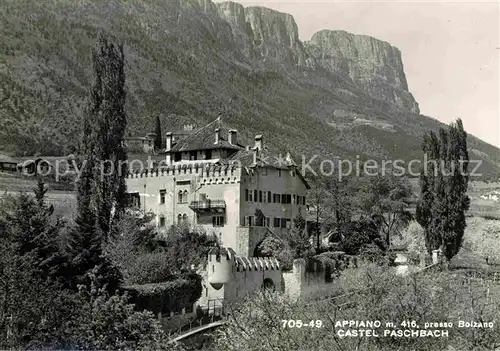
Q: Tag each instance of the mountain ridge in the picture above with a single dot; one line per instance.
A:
(190, 61)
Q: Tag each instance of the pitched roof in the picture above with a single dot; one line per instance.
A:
(266, 159)
(204, 139)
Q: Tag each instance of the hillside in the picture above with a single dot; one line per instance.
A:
(191, 60)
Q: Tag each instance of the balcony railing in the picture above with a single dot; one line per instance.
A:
(208, 205)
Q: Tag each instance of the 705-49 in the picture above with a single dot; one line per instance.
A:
(297, 323)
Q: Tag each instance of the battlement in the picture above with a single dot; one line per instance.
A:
(213, 172)
(242, 263)
(256, 264)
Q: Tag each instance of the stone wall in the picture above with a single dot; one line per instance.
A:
(305, 280)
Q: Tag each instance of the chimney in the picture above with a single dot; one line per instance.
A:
(168, 146)
(217, 136)
(258, 141)
(168, 140)
(232, 136)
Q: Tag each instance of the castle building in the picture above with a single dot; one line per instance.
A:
(211, 181)
(140, 144)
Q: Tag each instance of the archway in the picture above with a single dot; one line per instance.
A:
(268, 285)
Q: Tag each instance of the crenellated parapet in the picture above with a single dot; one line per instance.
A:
(207, 172)
(256, 264)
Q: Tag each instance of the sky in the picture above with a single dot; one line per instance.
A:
(450, 50)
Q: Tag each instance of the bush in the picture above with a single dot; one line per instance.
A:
(168, 296)
(370, 293)
(149, 268)
(357, 234)
(185, 247)
(373, 254)
(110, 323)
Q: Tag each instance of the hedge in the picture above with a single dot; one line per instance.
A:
(166, 297)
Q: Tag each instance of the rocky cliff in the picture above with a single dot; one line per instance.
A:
(373, 65)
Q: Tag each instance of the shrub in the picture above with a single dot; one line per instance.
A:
(370, 293)
(373, 254)
(149, 268)
(168, 296)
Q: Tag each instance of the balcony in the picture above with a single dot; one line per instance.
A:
(208, 206)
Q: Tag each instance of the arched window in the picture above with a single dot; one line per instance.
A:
(185, 197)
(184, 218)
(179, 218)
(179, 197)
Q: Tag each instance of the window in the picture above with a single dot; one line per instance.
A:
(179, 218)
(218, 221)
(292, 173)
(283, 222)
(134, 200)
(246, 195)
(184, 218)
(182, 196)
(286, 198)
(301, 200)
(162, 222)
(277, 198)
(260, 195)
(249, 221)
(294, 199)
(264, 196)
(279, 172)
(260, 221)
(177, 156)
(255, 195)
(163, 193)
(250, 196)
(268, 222)
(276, 222)
(288, 223)
(269, 198)
(192, 155)
(208, 154)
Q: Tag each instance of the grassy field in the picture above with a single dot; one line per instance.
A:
(64, 201)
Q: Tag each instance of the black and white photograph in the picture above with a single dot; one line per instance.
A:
(250, 175)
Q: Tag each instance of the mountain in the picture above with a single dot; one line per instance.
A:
(189, 61)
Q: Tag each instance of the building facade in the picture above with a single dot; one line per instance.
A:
(212, 182)
(145, 144)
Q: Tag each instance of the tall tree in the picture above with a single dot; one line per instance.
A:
(101, 186)
(158, 139)
(386, 200)
(104, 130)
(444, 181)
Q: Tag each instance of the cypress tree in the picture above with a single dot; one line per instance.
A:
(443, 201)
(158, 140)
(109, 184)
(101, 186)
